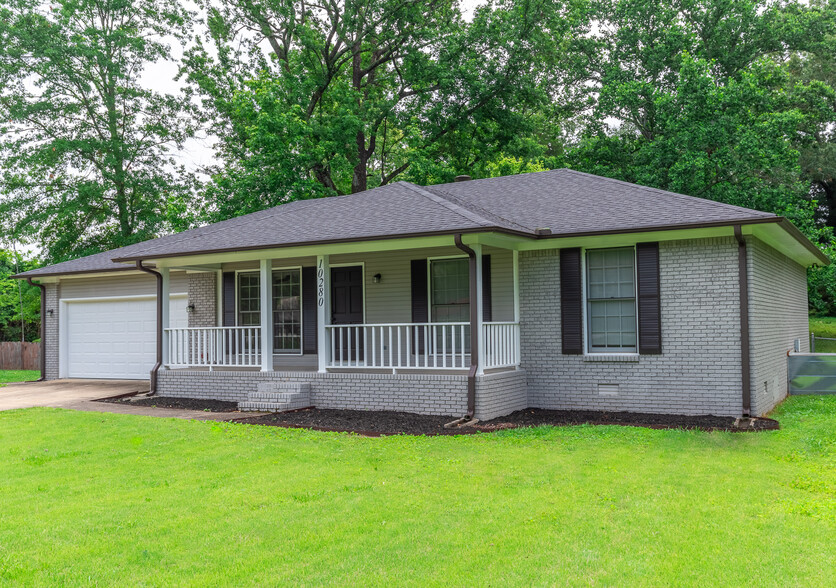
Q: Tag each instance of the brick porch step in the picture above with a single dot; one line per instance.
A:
(277, 397)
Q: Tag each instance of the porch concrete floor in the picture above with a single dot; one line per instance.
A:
(81, 394)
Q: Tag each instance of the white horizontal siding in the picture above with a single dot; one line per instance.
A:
(120, 285)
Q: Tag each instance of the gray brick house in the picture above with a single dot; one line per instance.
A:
(553, 290)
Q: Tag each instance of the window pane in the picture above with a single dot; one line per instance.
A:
(249, 300)
(287, 313)
(450, 290)
(450, 296)
(611, 299)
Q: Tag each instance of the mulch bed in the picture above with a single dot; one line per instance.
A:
(170, 402)
(370, 423)
(394, 423)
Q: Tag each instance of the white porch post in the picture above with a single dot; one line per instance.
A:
(266, 283)
(516, 269)
(323, 309)
(219, 297)
(516, 330)
(480, 315)
(166, 304)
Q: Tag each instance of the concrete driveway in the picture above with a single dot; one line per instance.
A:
(64, 393)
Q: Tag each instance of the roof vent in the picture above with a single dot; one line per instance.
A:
(463, 178)
(543, 231)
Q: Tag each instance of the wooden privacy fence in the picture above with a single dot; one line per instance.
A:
(15, 355)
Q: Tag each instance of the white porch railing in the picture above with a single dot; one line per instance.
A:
(214, 347)
(393, 346)
(399, 346)
(420, 345)
(501, 341)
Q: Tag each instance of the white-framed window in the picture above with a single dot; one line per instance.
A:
(249, 299)
(286, 295)
(449, 290)
(449, 285)
(287, 311)
(611, 300)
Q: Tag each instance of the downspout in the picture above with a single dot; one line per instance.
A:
(474, 327)
(159, 363)
(42, 329)
(745, 361)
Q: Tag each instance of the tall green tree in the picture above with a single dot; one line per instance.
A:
(87, 151)
(312, 99)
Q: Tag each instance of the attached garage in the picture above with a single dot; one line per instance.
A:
(112, 337)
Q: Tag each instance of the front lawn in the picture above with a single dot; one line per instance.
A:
(824, 327)
(7, 376)
(89, 498)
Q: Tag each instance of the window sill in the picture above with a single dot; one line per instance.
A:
(612, 357)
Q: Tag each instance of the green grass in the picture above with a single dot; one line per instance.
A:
(107, 499)
(7, 376)
(824, 327)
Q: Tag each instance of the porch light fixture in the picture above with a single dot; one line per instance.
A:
(50, 311)
(190, 307)
(377, 278)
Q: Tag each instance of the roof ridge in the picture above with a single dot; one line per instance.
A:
(669, 193)
(446, 203)
(480, 180)
(476, 209)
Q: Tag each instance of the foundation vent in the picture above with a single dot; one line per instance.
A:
(608, 389)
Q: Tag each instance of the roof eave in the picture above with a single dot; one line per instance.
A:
(486, 229)
(26, 275)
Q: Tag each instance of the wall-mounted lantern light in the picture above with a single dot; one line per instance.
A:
(377, 278)
(190, 307)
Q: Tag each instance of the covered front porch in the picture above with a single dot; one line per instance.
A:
(406, 308)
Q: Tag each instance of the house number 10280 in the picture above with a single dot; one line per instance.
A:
(320, 283)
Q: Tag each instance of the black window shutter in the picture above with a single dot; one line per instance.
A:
(309, 325)
(228, 292)
(650, 308)
(571, 301)
(487, 303)
(420, 303)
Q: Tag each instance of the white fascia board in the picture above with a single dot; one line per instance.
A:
(626, 239)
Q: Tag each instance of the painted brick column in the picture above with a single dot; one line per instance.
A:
(203, 294)
(51, 333)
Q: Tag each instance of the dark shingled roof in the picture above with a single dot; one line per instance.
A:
(565, 201)
(570, 202)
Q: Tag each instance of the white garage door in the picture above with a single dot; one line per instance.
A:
(115, 338)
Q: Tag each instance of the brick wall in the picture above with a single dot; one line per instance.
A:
(419, 393)
(699, 369)
(496, 394)
(203, 294)
(778, 314)
(500, 394)
(51, 331)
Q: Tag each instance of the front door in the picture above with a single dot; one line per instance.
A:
(347, 309)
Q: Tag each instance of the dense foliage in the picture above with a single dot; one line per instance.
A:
(312, 99)
(19, 302)
(85, 147)
(732, 100)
